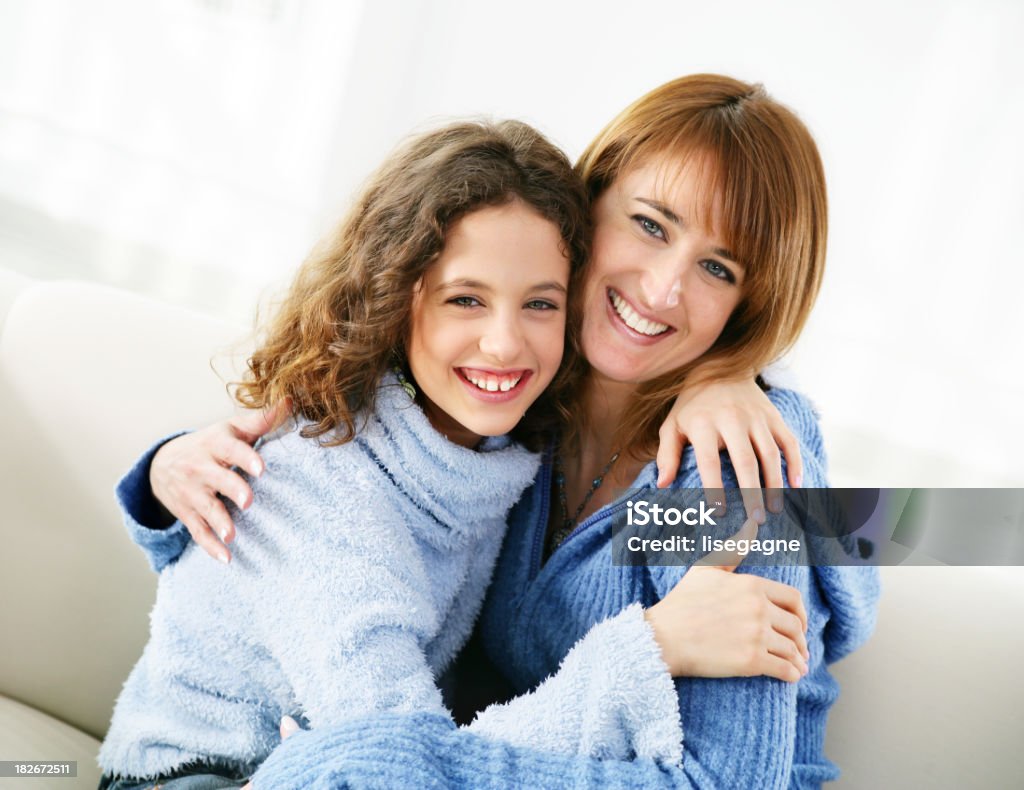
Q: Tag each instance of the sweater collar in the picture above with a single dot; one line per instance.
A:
(459, 487)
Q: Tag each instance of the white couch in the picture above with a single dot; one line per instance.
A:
(90, 375)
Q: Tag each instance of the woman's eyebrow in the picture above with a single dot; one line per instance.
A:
(670, 215)
(675, 219)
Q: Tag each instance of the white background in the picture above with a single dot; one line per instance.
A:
(194, 150)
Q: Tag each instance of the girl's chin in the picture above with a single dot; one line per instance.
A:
(486, 428)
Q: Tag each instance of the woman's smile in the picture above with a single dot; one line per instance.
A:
(636, 323)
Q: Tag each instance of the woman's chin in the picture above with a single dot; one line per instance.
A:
(612, 361)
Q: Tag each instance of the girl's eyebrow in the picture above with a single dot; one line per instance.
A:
(549, 286)
(463, 282)
(675, 219)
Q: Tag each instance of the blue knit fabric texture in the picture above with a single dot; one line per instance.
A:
(358, 573)
(568, 635)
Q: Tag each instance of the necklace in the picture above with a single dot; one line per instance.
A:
(569, 522)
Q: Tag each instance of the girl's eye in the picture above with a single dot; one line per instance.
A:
(718, 270)
(649, 226)
(541, 304)
(465, 301)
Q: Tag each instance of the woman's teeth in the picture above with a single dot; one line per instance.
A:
(635, 322)
(492, 383)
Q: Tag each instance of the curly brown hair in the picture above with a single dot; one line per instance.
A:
(345, 321)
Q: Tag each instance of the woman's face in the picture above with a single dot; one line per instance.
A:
(660, 287)
(488, 321)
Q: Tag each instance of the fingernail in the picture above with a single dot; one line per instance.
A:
(223, 534)
(799, 481)
(223, 557)
(289, 725)
(242, 499)
(758, 515)
(777, 503)
(256, 469)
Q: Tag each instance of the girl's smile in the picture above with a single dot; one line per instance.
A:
(488, 321)
(495, 386)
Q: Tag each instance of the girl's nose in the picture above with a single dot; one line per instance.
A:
(502, 340)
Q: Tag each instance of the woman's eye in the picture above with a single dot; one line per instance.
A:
(541, 304)
(649, 226)
(465, 301)
(716, 269)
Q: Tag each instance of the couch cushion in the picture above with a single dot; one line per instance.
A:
(933, 700)
(89, 376)
(27, 734)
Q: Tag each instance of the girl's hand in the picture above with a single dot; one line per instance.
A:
(189, 472)
(715, 623)
(736, 416)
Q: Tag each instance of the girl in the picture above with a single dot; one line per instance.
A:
(424, 330)
(709, 206)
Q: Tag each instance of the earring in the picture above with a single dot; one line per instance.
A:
(406, 384)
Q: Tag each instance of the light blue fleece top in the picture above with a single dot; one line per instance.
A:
(358, 573)
(735, 732)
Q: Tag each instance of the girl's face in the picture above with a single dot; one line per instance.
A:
(488, 321)
(660, 287)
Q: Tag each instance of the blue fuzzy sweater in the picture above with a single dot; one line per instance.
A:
(735, 732)
(358, 573)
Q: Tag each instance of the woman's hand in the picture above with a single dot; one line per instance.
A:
(189, 472)
(715, 623)
(736, 416)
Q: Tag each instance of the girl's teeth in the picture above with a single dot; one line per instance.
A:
(491, 383)
(635, 322)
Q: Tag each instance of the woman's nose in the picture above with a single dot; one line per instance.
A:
(502, 340)
(660, 287)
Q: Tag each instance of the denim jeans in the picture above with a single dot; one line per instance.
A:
(194, 776)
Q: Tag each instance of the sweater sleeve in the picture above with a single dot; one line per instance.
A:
(418, 750)
(161, 544)
(336, 588)
(389, 750)
(740, 733)
(612, 698)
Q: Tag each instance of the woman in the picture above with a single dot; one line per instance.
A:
(710, 223)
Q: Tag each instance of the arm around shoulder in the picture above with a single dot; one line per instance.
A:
(147, 526)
